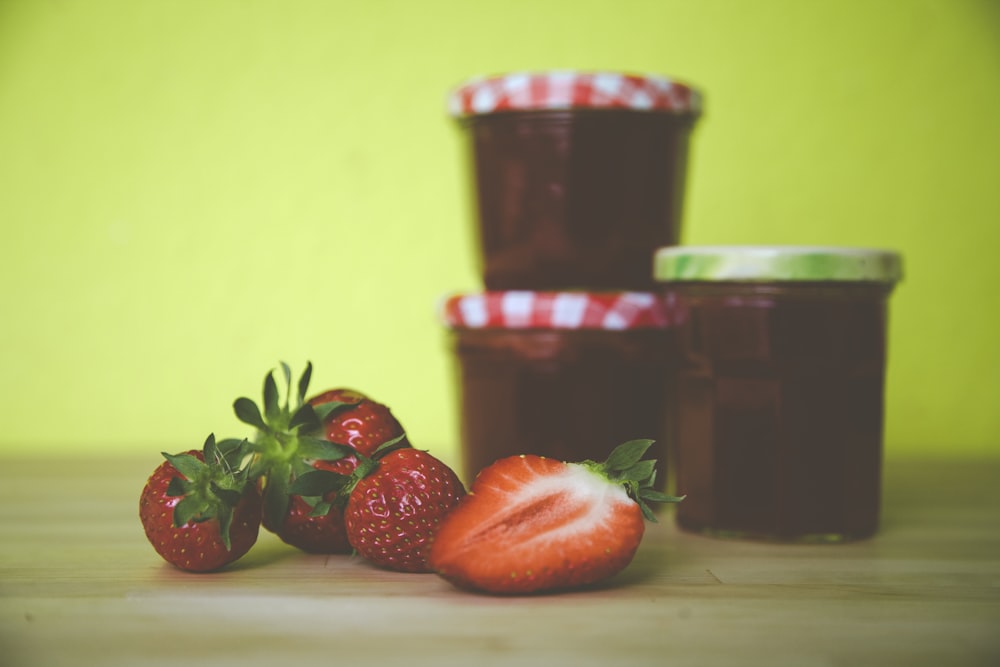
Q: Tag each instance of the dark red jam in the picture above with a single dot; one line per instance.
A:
(568, 395)
(778, 407)
(576, 199)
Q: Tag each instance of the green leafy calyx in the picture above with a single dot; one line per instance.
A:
(625, 466)
(211, 487)
(320, 483)
(288, 439)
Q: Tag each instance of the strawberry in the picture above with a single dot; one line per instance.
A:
(311, 531)
(364, 425)
(322, 433)
(393, 503)
(197, 508)
(532, 524)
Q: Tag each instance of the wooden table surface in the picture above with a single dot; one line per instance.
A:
(79, 585)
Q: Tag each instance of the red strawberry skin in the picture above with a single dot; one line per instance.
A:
(393, 514)
(364, 425)
(313, 534)
(532, 524)
(195, 546)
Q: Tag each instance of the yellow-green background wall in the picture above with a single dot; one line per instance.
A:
(191, 191)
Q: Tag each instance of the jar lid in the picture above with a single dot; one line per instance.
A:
(556, 310)
(777, 263)
(534, 91)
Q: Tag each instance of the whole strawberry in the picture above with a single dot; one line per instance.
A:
(198, 510)
(297, 437)
(394, 503)
(532, 524)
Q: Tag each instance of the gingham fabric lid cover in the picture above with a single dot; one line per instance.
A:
(526, 91)
(556, 310)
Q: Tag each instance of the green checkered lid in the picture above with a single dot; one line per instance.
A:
(776, 263)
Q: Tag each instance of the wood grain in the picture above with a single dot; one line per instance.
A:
(79, 585)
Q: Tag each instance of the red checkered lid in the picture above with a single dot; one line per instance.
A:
(526, 91)
(557, 310)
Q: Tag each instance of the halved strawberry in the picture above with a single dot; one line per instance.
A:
(532, 524)
(394, 503)
(300, 436)
(197, 508)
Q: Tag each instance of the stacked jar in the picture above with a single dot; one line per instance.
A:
(577, 179)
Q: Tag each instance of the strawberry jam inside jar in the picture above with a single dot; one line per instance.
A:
(778, 392)
(567, 375)
(577, 177)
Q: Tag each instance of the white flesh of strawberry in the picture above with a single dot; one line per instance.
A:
(587, 498)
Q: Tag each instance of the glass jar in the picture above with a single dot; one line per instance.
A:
(567, 375)
(778, 393)
(578, 177)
